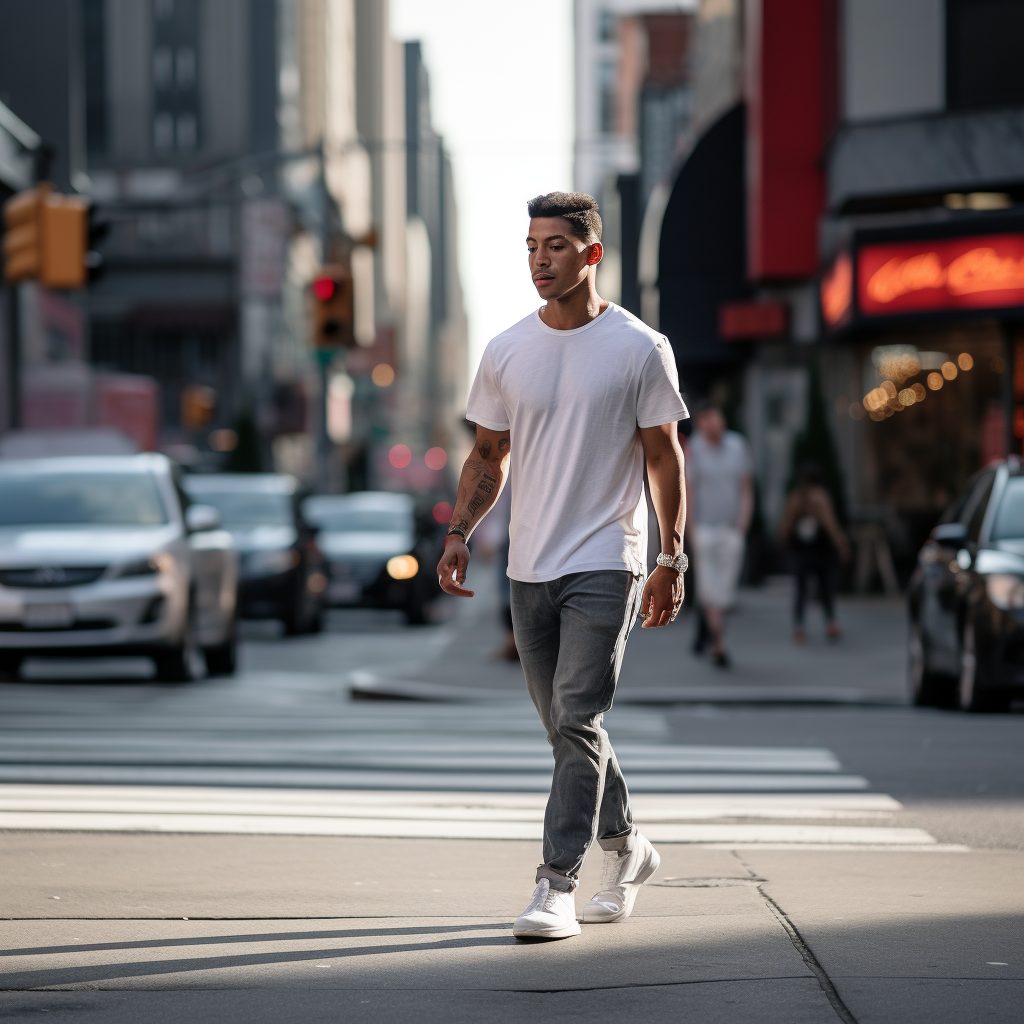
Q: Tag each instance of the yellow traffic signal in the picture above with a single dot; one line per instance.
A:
(333, 325)
(198, 403)
(45, 238)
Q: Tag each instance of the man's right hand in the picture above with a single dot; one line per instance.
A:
(451, 570)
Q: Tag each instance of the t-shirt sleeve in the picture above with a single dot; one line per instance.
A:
(659, 400)
(486, 406)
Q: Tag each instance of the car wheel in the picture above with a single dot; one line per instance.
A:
(416, 614)
(183, 663)
(10, 665)
(972, 692)
(927, 689)
(222, 660)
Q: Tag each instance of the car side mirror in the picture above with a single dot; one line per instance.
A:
(201, 518)
(950, 534)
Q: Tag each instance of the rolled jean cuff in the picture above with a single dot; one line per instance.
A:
(558, 881)
(619, 842)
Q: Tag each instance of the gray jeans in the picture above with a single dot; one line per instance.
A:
(571, 635)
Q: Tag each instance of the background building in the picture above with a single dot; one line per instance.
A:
(234, 148)
(830, 153)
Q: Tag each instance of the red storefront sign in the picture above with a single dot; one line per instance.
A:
(980, 272)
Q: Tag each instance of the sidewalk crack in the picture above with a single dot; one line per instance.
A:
(800, 945)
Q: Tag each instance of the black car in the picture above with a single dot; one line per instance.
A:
(381, 553)
(966, 598)
(282, 574)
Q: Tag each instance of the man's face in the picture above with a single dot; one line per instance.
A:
(559, 260)
(711, 424)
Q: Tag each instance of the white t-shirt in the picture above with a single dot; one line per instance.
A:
(573, 402)
(716, 476)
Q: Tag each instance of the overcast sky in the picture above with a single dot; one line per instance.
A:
(501, 84)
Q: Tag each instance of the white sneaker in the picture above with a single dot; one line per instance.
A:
(550, 915)
(624, 872)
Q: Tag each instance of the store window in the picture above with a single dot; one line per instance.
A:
(983, 53)
(932, 414)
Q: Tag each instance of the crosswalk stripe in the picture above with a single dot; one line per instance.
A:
(433, 815)
(524, 782)
(312, 762)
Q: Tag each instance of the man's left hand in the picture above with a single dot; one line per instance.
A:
(663, 597)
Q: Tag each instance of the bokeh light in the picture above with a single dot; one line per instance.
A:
(383, 375)
(400, 456)
(443, 512)
(949, 370)
(436, 458)
(935, 381)
(919, 391)
(907, 397)
(998, 364)
(857, 410)
(402, 567)
(223, 440)
(965, 361)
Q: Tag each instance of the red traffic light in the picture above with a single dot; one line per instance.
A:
(324, 288)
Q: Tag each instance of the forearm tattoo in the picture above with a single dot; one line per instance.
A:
(479, 472)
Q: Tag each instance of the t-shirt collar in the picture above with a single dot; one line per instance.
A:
(576, 330)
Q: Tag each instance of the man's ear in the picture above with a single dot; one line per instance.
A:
(595, 254)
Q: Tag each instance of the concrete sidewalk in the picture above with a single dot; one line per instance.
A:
(279, 929)
(866, 666)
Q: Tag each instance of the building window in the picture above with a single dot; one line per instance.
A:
(163, 132)
(186, 135)
(176, 121)
(983, 62)
(608, 95)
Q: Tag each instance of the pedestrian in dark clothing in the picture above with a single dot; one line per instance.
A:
(812, 535)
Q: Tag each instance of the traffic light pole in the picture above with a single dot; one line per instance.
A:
(13, 357)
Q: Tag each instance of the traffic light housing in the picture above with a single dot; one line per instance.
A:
(45, 238)
(198, 404)
(333, 325)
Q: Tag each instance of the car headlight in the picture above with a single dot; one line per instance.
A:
(1005, 591)
(160, 562)
(268, 563)
(403, 567)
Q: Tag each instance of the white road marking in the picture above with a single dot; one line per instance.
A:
(237, 824)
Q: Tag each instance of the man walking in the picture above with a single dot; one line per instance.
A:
(721, 493)
(575, 398)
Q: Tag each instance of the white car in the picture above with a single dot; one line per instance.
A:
(102, 556)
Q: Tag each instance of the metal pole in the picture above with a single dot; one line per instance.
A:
(13, 358)
(1009, 398)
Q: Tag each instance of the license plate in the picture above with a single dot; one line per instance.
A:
(344, 590)
(47, 616)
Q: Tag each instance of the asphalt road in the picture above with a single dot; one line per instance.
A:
(267, 848)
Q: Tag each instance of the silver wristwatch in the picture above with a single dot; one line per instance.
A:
(680, 563)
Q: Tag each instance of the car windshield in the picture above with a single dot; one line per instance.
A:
(362, 520)
(80, 499)
(248, 508)
(1009, 520)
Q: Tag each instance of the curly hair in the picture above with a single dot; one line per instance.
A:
(579, 209)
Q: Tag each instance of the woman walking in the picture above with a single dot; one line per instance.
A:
(811, 533)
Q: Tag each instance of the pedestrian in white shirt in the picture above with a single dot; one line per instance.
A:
(720, 494)
(575, 400)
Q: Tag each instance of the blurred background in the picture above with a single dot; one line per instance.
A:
(303, 221)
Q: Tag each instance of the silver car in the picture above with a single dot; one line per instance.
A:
(101, 556)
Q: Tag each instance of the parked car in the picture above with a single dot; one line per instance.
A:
(102, 556)
(380, 553)
(282, 573)
(966, 598)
